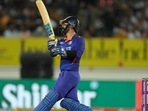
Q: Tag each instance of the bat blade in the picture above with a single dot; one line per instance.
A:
(45, 18)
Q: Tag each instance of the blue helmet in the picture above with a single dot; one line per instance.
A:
(73, 21)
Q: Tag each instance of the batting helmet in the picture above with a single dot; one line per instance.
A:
(73, 21)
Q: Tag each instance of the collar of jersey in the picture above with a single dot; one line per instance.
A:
(67, 40)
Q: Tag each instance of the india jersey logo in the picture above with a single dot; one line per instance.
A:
(68, 48)
(61, 43)
(70, 42)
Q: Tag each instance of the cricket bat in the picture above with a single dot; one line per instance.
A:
(45, 18)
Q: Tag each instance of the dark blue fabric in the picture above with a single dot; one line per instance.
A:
(72, 105)
(49, 100)
(66, 84)
(77, 44)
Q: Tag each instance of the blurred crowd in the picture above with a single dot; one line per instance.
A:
(98, 18)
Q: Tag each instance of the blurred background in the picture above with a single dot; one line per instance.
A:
(112, 67)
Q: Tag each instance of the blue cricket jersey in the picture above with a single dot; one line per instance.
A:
(75, 44)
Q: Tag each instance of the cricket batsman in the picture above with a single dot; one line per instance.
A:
(70, 49)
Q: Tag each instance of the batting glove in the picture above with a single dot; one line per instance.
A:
(58, 51)
(51, 43)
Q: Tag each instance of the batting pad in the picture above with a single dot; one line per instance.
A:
(72, 105)
(49, 100)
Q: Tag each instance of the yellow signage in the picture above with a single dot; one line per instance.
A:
(10, 51)
(98, 52)
(135, 53)
(101, 52)
(115, 52)
(35, 45)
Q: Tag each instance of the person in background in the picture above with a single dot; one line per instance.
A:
(11, 31)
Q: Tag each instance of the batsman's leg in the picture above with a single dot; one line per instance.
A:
(49, 100)
(72, 105)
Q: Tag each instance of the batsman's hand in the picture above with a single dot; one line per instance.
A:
(58, 51)
(51, 43)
